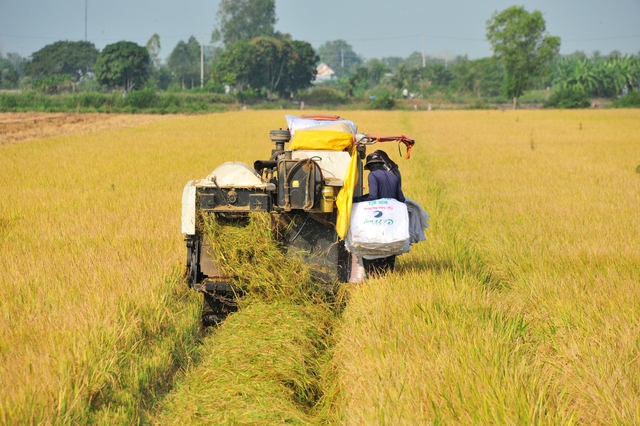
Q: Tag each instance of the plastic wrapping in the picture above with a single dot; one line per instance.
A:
(344, 200)
(321, 139)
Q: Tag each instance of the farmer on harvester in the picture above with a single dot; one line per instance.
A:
(384, 182)
(384, 179)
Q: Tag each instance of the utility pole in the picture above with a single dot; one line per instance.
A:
(202, 62)
(424, 61)
(342, 61)
(85, 20)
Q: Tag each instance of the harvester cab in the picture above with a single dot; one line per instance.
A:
(305, 187)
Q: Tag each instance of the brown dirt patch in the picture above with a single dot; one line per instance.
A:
(20, 127)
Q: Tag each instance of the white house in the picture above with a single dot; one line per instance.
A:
(324, 73)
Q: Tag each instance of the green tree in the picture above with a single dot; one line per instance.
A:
(154, 47)
(599, 76)
(355, 85)
(584, 76)
(347, 84)
(302, 67)
(11, 70)
(377, 70)
(272, 56)
(244, 20)
(393, 61)
(568, 97)
(236, 66)
(438, 74)
(615, 54)
(340, 57)
(280, 67)
(626, 73)
(63, 58)
(414, 60)
(123, 65)
(481, 77)
(162, 77)
(159, 74)
(184, 62)
(520, 43)
(405, 77)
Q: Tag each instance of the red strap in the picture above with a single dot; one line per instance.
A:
(406, 140)
(321, 117)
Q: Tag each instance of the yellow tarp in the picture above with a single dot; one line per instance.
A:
(344, 200)
(321, 139)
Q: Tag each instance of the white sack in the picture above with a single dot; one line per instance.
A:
(378, 228)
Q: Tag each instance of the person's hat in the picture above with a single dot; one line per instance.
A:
(373, 158)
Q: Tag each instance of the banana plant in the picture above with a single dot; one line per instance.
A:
(598, 76)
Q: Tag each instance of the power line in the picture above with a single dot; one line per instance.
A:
(29, 37)
(405, 38)
(477, 40)
(419, 36)
(373, 39)
(602, 38)
(93, 38)
(437, 37)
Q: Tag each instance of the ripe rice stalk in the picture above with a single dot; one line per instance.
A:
(253, 259)
(521, 307)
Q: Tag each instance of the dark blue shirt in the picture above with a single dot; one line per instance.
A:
(384, 184)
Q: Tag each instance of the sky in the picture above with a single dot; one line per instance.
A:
(374, 28)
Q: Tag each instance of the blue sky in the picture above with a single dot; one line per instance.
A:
(374, 28)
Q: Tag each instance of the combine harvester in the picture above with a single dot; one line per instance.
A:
(307, 188)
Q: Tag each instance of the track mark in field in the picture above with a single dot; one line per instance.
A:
(21, 127)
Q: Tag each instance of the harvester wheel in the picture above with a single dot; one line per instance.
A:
(216, 308)
(280, 135)
(193, 262)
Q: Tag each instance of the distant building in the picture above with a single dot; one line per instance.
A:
(324, 73)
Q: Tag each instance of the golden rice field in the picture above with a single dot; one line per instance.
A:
(522, 307)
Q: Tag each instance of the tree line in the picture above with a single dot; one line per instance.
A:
(251, 60)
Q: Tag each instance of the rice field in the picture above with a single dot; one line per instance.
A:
(522, 306)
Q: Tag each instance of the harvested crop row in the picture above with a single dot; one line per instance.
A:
(261, 366)
(24, 126)
(264, 364)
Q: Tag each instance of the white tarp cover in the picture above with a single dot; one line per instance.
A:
(189, 209)
(334, 164)
(298, 123)
(235, 174)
